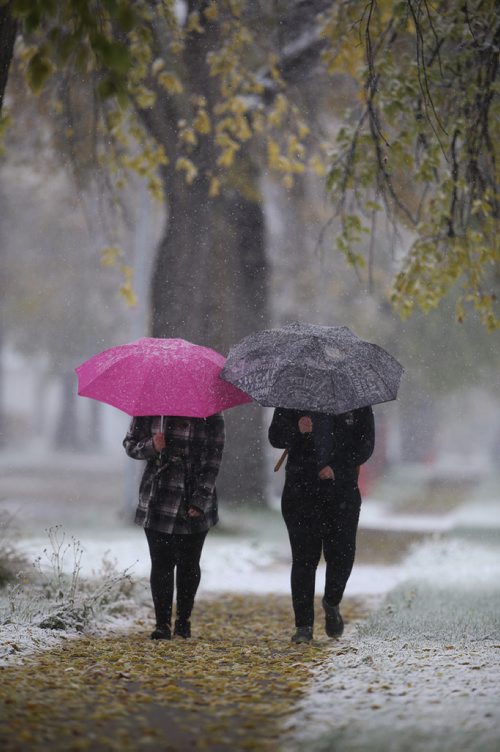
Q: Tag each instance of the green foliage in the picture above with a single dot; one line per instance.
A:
(138, 88)
(91, 35)
(138, 59)
(39, 70)
(133, 87)
(4, 126)
(421, 143)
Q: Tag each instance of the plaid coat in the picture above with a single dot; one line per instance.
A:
(182, 476)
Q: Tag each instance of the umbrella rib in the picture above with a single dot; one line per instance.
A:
(381, 377)
(100, 373)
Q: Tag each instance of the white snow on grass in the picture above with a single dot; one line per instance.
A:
(252, 562)
(20, 640)
(423, 672)
(229, 564)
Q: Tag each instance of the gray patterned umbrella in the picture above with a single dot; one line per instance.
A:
(311, 367)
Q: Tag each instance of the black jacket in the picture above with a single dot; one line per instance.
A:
(342, 441)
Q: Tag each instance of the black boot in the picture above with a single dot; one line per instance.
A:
(303, 634)
(334, 624)
(182, 628)
(162, 633)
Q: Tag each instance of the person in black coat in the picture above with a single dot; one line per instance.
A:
(321, 504)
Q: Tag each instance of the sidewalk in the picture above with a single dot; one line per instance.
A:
(420, 674)
(225, 690)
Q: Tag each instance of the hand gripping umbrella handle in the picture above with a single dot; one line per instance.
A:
(280, 461)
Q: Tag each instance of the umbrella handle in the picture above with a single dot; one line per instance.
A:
(162, 430)
(280, 461)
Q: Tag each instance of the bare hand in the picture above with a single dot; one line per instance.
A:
(305, 424)
(159, 442)
(194, 512)
(326, 473)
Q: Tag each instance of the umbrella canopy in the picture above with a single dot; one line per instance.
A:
(311, 367)
(154, 376)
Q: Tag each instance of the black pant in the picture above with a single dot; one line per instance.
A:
(167, 552)
(321, 517)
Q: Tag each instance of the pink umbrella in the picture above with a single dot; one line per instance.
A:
(159, 377)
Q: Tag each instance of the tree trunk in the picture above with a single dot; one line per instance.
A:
(241, 307)
(209, 286)
(3, 286)
(8, 30)
(180, 287)
(208, 282)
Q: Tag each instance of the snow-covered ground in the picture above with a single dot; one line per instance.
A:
(229, 563)
(422, 673)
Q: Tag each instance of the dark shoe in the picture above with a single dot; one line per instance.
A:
(303, 634)
(334, 624)
(161, 633)
(182, 629)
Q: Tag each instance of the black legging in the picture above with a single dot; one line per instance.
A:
(168, 552)
(321, 516)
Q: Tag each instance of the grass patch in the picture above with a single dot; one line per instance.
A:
(52, 594)
(436, 497)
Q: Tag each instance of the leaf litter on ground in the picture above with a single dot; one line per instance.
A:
(229, 687)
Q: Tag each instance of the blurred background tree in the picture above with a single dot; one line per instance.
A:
(229, 112)
(193, 97)
(421, 144)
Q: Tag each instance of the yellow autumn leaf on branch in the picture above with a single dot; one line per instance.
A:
(317, 166)
(170, 82)
(201, 122)
(193, 23)
(110, 255)
(229, 147)
(211, 12)
(126, 290)
(214, 189)
(226, 157)
(188, 136)
(188, 167)
(128, 294)
(275, 117)
(144, 97)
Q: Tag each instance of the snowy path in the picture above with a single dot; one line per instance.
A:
(423, 673)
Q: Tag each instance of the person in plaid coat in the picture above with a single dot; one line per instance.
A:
(177, 506)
